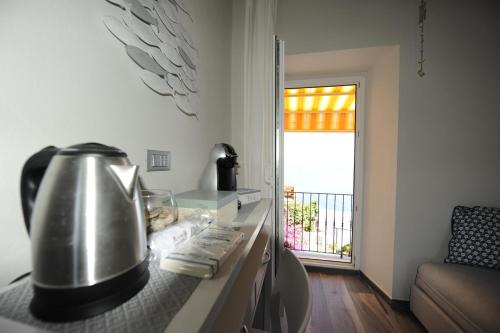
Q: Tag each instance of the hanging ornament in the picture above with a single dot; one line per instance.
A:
(422, 9)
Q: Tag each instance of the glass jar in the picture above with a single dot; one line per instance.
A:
(161, 209)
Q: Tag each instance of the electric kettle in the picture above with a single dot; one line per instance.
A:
(85, 215)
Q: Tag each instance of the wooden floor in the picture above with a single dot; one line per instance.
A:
(346, 303)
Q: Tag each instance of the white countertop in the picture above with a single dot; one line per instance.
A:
(204, 304)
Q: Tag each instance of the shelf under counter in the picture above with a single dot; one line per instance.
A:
(203, 308)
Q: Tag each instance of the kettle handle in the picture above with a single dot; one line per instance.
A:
(31, 177)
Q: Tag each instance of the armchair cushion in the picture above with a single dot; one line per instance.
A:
(475, 237)
(470, 296)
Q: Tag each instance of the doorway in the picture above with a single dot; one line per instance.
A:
(322, 125)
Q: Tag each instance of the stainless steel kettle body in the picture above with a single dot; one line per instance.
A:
(87, 229)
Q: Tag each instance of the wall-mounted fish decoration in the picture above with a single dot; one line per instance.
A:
(120, 31)
(156, 40)
(166, 37)
(186, 58)
(142, 30)
(136, 8)
(170, 10)
(187, 82)
(189, 73)
(162, 15)
(149, 4)
(156, 83)
(176, 84)
(144, 60)
(163, 61)
(180, 7)
(184, 105)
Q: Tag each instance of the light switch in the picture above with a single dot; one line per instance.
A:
(157, 160)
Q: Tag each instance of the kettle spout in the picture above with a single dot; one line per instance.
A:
(127, 177)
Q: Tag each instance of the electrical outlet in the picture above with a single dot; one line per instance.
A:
(158, 160)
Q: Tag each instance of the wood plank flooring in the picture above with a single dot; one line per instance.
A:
(346, 303)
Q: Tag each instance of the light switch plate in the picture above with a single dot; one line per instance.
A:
(158, 160)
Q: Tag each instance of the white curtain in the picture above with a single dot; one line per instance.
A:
(258, 97)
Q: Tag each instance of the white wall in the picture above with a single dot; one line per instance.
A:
(448, 137)
(64, 79)
(381, 139)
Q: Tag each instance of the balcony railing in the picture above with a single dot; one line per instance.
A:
(320, 223)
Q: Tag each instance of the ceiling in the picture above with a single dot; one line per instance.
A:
(334, 62)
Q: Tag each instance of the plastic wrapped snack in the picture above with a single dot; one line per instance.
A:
(202, 255)
(171, 237)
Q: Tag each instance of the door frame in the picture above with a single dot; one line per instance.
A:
(278, 117)
(360, 82)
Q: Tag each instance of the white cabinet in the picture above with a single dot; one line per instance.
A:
(241, 302)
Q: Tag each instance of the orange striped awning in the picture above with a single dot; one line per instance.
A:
(320, 109)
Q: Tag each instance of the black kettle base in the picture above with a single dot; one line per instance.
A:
(59, 305)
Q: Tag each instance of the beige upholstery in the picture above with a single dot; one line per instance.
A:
(430, 315)
(468, 296)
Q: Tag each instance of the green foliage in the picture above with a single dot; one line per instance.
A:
(331, 248)
(334, 248)
(346, 249)
(305, 215)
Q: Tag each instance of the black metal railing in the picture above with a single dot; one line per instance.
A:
(319, 222)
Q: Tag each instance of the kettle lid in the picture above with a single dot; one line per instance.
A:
(92, 148)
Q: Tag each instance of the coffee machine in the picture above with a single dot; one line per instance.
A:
(220, 171)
